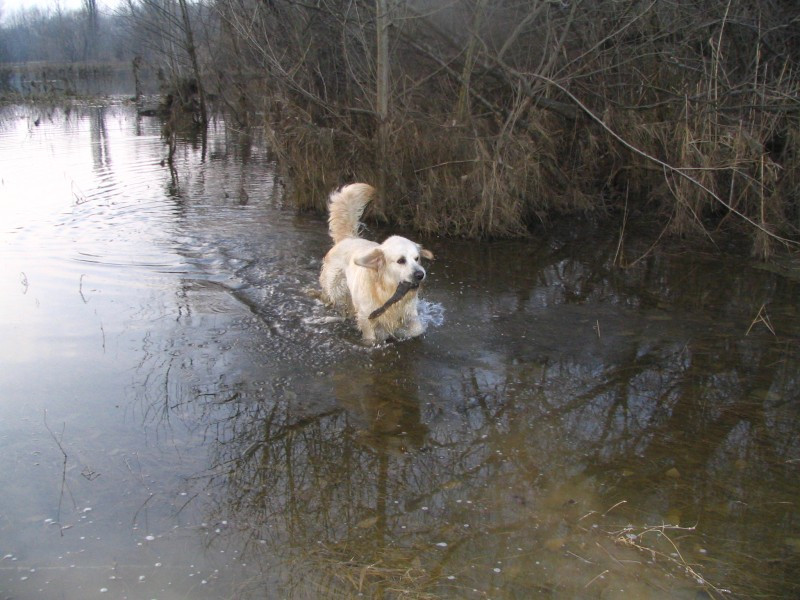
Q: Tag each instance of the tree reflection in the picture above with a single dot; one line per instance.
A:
(101, 155)
(519, 450)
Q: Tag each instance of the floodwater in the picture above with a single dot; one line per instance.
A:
(82, 79)
(181, 418)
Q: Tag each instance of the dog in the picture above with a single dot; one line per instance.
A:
(376, 283)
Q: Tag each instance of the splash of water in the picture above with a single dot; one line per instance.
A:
(430, 313)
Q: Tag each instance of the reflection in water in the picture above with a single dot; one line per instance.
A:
(497, 458)
(99, 138)
(565, 428)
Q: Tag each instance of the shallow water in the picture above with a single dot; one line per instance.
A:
(180, 417)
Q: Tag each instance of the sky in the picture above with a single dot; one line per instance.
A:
(9, 6)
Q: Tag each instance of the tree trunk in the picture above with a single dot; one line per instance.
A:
(192, 51)
(463, 107)
(137, 64)
(90, 39)
(382, 88)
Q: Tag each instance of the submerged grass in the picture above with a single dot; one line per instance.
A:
(661, 544)
(593, 555)
(657, 543)
(390, 575)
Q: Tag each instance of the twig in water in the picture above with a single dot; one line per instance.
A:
(136, 514)
(595, 578)
(634, 539)
(615, 506)
(53, 435)
(586, 560)
(63, 469)
(763, 318)
(185, 504)
(614, 558)
(589, 514)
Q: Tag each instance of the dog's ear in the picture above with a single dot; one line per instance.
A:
(374, 259)
(425, 253)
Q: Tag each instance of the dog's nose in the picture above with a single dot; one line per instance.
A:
(419, 275)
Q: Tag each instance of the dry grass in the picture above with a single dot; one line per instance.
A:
(682, 113)
(660, 543)
(388, 576)
(655, 541)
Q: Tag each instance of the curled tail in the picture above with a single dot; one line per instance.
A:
(345, 207)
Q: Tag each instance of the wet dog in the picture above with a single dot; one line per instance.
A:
(377, 283)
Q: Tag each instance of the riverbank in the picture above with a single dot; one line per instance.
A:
(486, 121)
(482, 121)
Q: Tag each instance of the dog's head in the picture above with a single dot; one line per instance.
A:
(397, 260)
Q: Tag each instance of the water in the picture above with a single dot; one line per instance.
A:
(180, 417)
(82, 79)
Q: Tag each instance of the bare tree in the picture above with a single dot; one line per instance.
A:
(91, 30)
(382, 90)
(191, 50)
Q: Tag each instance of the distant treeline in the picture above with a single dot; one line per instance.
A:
(482, 118)
(62, 36)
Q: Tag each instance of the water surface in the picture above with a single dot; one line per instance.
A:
(180, 417)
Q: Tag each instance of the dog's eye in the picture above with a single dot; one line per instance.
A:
(416, 259)
(401, 260)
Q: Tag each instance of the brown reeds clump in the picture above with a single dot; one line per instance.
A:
(505, 114)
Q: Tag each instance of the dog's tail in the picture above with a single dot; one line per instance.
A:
(345, 207)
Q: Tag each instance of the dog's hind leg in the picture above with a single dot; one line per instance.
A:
(334, 286)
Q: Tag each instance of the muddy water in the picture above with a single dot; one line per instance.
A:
(180, 417)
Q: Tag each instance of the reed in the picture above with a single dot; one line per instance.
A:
(488, 134)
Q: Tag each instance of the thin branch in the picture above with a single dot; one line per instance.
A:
(63, 468)
(668, 167)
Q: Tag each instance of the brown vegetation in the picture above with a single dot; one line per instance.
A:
(481, 119)
(504, 114)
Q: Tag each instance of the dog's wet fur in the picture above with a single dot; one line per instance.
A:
(365, 278)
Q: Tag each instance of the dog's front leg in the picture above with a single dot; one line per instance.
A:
(414, 326)
(367, 327)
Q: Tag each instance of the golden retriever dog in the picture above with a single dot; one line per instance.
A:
(378, 283)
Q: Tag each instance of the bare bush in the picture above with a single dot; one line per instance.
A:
(481, 118)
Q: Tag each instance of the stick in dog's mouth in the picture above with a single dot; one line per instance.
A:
(402, 289)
